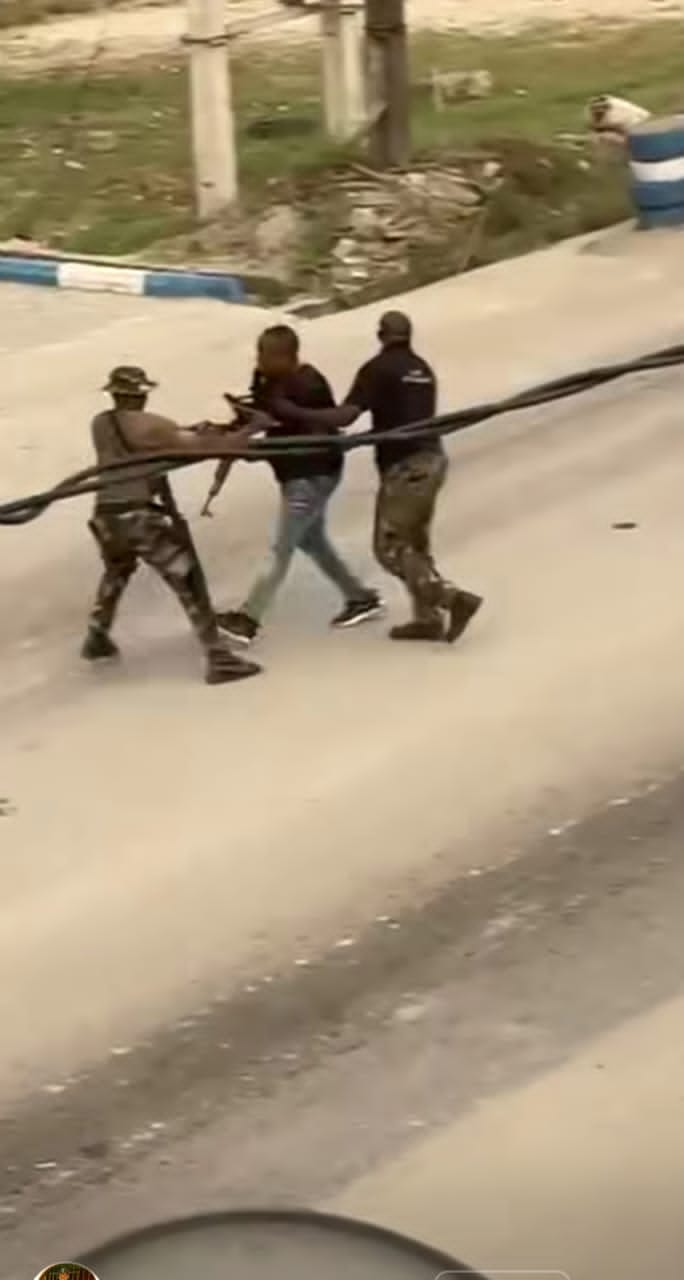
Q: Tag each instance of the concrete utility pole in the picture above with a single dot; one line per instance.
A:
(344, 88)
(389, 84)
(213, 126)
(343, 69)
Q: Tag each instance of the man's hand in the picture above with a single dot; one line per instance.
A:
(207, 427)
(249, 424)
(246, 415)
(242, 406)
(260, 421)
(255, 420)
(211, 428)
(315, 420)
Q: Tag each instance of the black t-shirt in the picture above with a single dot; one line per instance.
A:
(396, 387)
(307, 388)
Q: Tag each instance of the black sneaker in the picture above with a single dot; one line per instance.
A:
(463, 608)
(357, 611)
(238, 626)
(98, 646)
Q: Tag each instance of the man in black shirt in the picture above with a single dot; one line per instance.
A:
(397, 387)
(284, 389)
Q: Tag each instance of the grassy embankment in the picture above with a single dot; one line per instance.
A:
(100, 164)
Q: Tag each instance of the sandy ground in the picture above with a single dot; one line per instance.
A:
(154, 29)
(499, 1073)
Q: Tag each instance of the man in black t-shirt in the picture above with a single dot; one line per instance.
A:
(284, 389)
(397, 387)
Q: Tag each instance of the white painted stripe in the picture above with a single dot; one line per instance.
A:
(659, 170)
(86, 275)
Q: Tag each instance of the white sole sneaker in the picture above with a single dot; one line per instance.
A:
(243, 641)
(377, 611)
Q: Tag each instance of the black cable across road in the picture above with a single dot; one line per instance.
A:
(151, 467)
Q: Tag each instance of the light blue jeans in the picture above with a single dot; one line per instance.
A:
(302, 527)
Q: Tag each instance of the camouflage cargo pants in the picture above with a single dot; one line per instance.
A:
(403, 517)
(128, 537)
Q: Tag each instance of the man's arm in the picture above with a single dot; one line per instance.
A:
(289, 415)
(161, 435)
(358, 401)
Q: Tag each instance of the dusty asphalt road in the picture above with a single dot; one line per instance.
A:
(172, 854)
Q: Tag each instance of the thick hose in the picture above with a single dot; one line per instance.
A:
(151, 467)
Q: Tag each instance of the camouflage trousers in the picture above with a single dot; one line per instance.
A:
(128, 537)
(403, 518)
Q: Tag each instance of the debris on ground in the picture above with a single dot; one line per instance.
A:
(334, 240)
(387, 214)
(612, 119)
(347, 234)
(276, 236)
(23, 244)
(457, 86)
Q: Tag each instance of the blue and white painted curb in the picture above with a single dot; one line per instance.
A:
(656, 162)
(96, 277)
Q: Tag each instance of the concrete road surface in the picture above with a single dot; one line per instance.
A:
(190, 875)
(577, 1173)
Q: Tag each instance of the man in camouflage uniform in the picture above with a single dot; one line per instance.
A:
(139, 521)
(397, 387)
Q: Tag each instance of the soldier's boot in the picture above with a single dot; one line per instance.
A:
(461, 609)
(426, 590)
(98, 645)
(224, 666)
(419, 629)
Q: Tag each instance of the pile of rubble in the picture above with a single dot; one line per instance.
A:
(386, 214)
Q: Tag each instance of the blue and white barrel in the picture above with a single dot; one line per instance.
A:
(656, 161)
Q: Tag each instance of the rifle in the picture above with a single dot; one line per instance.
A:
(243, 406)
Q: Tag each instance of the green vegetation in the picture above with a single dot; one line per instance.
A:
(101, 164)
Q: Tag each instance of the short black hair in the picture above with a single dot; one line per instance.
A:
(283, 336)
(395, 326)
